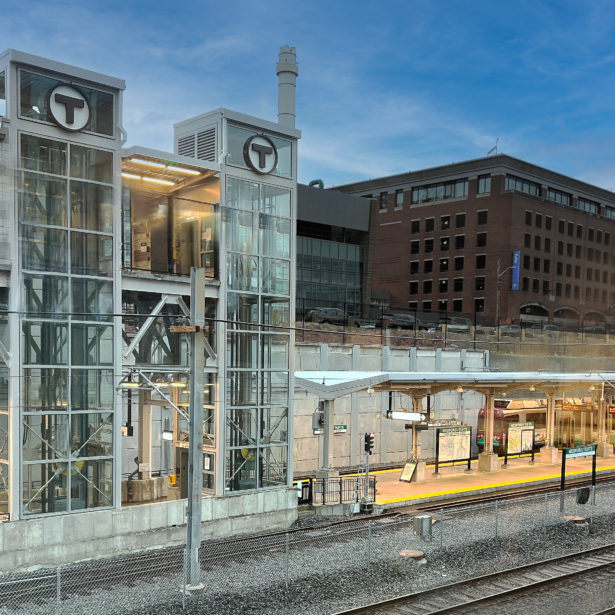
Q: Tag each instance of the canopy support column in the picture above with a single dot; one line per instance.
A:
(549, 452)
(415, 455)
(603, 449)
(488, 461)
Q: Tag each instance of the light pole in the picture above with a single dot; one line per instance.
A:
(499, 274)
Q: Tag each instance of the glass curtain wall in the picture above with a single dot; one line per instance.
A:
(65, 202)
(257, 223)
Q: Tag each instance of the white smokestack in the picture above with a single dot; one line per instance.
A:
(287, 71)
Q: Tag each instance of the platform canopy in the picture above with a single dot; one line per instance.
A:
(335, 384)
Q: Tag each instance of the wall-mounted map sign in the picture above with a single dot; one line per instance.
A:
(520, 438)
(453, 443)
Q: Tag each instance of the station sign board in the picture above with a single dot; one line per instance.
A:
(520, 438)
(581, 451)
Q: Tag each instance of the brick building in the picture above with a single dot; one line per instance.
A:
(442, 235)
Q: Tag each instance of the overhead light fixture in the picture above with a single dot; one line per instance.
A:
(130, 384)
(148, 163)
(155, 180)
(209, 406)
(532, 388)
(592, 387)
(459, 389)
(130, 175)
(182, 170)
(167, 434)
(178, 384)
(370, 391)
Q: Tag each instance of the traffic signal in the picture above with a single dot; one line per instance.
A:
(369, 443)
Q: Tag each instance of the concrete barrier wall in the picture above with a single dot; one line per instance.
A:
(62, 539)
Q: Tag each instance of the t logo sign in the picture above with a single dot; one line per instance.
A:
(69, 108)
(260, 154)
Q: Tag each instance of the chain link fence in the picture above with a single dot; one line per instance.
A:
(324, 562)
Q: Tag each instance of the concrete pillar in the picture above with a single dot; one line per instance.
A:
(549, 452)
(145, 435)
(603, 449)
(488, 461)
(327, 439)
(355, 441)
(415, 455)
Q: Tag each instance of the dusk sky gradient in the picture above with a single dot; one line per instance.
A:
(383, 87)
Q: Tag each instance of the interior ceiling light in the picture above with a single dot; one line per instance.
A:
(182, 170)
(130, 175)
(148, 163)
(178, 384)
(532, 388)
(155, 180)
(129, 384)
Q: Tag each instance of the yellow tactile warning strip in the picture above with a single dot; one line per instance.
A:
(483, 487)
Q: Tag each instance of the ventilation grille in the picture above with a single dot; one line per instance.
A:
(185, 146)
(206, 145)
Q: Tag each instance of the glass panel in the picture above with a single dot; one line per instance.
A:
(274, 426)
(92, 345)
(44, 249)
(242, 350)
(276, 311)
(46, 295)
(243, 272)
(91, 254)
(42, 200)
(92, 389)
(240, 469)
(4, 488)
(284, 168)
(45, 436)
(45, 155)
(241, 427)
(241, 388)
(274, 236)
(2, 112)
(239, 231)
(45, 389)
(91, 484)
(242, 310)
(241, 194)
(274, 465)
(88, 163)
(45, 487)
(275, 276)
(45, 343)
(276, 201)
(275, 351)
(92, 299)
(236, 137)
(274, 388)
(91, 206)
(34, 94)
(91, 435)
(4, 437)
(209, 465)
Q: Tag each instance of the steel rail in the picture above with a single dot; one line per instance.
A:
(418, 603)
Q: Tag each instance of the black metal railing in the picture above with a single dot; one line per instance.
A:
(340, 490)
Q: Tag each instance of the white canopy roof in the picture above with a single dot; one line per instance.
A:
(334, 384)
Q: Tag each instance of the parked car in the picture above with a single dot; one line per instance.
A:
(456, 324)
(333, 316)
(510, 330)
(398, 321)
(548, 329)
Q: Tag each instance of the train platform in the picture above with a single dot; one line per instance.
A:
(454, 481)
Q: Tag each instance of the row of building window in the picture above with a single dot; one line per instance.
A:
(569, 249)
(445, 222)
(566, 290)
(441, 191)
(596, 274)
(442, 305)
(443, 285)
(568, 228)
(445, 243)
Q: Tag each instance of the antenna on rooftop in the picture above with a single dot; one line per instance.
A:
(494, 148)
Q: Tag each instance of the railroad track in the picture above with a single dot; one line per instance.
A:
(511, 494)
(469, 595)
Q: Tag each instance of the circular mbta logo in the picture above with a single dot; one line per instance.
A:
(260, 154)
(69, 108)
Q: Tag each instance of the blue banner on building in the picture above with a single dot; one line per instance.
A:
(515, 270)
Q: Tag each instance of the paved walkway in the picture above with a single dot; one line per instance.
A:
(392, 492)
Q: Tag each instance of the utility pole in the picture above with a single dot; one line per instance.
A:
(499, 274)
(195, 448)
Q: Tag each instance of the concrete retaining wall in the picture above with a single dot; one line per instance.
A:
(62, 539)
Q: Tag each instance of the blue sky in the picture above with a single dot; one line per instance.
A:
(384, 87)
